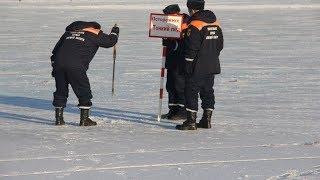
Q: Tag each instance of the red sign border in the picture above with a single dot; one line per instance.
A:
(164, 15)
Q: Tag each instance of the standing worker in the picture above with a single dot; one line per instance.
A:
(70, 61)
(203, 43)
(175, 70)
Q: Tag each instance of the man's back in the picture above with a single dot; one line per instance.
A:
(79, 44)
(204, 41)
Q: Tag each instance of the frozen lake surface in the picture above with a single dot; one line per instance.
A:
(266, 122)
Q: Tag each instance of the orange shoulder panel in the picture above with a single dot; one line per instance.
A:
(200, 24)
(184, 26)
(92, 30)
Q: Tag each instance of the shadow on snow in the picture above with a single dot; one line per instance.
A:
(42, 104)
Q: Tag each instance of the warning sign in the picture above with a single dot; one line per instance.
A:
(165, 26)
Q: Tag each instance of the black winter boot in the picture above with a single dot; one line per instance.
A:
(170, 114)
(181, 114)
(84, 118)
(205, 121)
(190, 123)
(59, 116)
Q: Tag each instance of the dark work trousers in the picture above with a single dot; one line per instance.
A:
(175, 88)
(202, 84)
(78, 79)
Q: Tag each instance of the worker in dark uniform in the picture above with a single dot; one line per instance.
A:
(203, 43)
(70, 61)
(175, 70)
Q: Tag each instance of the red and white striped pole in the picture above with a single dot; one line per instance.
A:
(164, 55)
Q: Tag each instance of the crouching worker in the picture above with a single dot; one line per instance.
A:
(70, 61)
(175, 70)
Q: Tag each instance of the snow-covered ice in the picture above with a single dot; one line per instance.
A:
(266, 122)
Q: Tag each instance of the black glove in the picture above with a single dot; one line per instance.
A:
(170, 44)
(115, 30)
(189, 68)
(165, 42)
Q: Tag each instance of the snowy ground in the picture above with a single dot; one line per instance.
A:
(266, 123)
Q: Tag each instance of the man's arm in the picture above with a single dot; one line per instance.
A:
(59, 43)
(56, 48)
(220, 40)
(192, 42)
(107, 41)
(110, 40)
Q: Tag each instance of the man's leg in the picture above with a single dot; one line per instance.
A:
(192, 89)
(207, 93)
(171, 96)
(60, 96)
(208, 101)
(80, 84)
(191, 93)
(179, 87)
(180, 101)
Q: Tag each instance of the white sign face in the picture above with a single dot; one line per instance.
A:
(165, 26)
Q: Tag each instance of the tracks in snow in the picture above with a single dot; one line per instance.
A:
(295, 173)
(72, 170)
(159, 151)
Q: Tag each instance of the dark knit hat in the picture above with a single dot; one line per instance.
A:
(79, 25)
(196, 4)
(171, 9)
